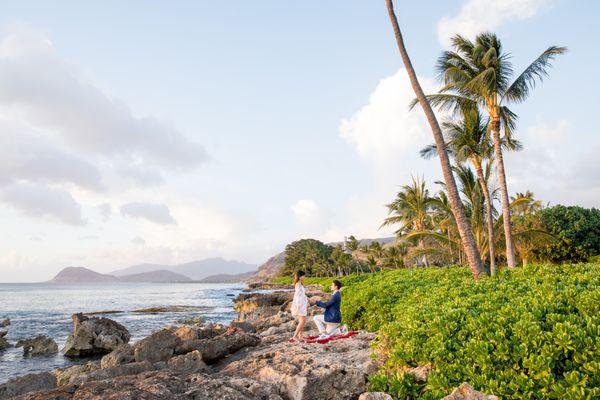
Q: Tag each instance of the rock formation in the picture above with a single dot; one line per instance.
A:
(37, 346)
(466, 392)
(94, 336)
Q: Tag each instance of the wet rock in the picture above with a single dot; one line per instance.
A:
(38, 346)
(375, 396)
(108, 373)
(27, 383)
(338, 370)
(191, 321)
(121, 355)
(3, 342)
(63, 375)
(188, 363)
(4, 323)
(219, 346)
(160, 346)
(94, 336)
(466, 392)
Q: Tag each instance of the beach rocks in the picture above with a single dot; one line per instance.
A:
(94, 336)
(3, 342)
(338, 370)
(63, 375)
(466, 392)
(160, 346)
(38, 346)
(121, 355)
(375, 396)
(4, 323)
(108, 373)
(188, 363)
(27, 383)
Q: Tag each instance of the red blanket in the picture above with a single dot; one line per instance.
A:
(315, 339)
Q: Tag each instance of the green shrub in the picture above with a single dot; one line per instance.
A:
(529, 333)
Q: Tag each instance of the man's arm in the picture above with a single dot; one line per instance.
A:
(332, 300)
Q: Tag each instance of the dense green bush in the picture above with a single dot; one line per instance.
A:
(577, 230)
(529, 333)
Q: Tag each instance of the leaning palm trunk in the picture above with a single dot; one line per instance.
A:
(489, 216)
(464, 229)
(510, 245)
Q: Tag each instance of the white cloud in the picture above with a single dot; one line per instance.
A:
(153, 212)
(40, 201)
(138, 240)
(307, 212)
(476, 16)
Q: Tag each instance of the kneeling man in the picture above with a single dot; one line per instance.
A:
(328, 323)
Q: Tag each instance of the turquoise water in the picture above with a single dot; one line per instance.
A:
(46, 309)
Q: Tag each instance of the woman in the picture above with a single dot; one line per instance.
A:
(299, 306)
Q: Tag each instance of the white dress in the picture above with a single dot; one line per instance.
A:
(300, 302)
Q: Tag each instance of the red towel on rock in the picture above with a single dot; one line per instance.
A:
(315, 339)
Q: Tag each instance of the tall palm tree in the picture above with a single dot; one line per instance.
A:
(458, 211)
(479, 72)
(467, 140)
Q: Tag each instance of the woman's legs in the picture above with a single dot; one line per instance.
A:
(300, 327)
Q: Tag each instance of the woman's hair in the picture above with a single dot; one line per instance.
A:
(337, 284)
(298, 275)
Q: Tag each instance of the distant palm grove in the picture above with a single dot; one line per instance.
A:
(488, 228)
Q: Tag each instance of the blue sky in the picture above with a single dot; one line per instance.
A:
(164, 132)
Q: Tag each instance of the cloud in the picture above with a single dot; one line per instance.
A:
(153, 212)
(138, 240)
(476, 16)
(105, 210)
(307, 212)
(50, 93)
(40, 201)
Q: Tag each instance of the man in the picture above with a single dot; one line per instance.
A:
(328, 323)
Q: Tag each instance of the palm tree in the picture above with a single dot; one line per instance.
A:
(457, 208)
(479, 73)
(525, 203)
(467, 140)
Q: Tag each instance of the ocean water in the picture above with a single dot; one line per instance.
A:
(46, 309)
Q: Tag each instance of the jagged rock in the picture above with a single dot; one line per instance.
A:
(245, 326)
(27, 383)
(108, 373)
(219, 346)
(3, 342)
(375, 396)
(188, 363)
(466, 392)
(159, 346)
(94, 336)
(187, 332)
(338, 370)
(164, 384)
(420, 373)
(121, 355)
(4, 323)
(39, 345)
(63, 375)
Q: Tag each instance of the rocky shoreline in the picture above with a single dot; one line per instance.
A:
(249, 359)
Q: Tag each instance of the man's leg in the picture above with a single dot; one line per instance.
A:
(331, 328)
(320, 322)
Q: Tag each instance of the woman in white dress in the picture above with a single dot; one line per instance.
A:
(299, 305)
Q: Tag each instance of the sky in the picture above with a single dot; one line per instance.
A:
(165, 132)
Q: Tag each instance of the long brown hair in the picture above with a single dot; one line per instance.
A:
(297, 276)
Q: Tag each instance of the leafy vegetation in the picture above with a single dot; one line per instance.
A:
(529, 333)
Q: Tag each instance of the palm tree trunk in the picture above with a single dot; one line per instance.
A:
(489, 216)
(464, 229)
(510, 245)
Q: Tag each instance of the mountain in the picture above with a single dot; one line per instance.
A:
(81, 275)
(195, 270)
(84, 275)
(159, 276)
(228, 278)
(270, 269)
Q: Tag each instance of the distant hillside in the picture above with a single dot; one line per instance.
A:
(85, 275)
(81, 275)
(228, 278)
(155, 277)
(195, 270)
(271, 268)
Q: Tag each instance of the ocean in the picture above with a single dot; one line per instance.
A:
(46, 309)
